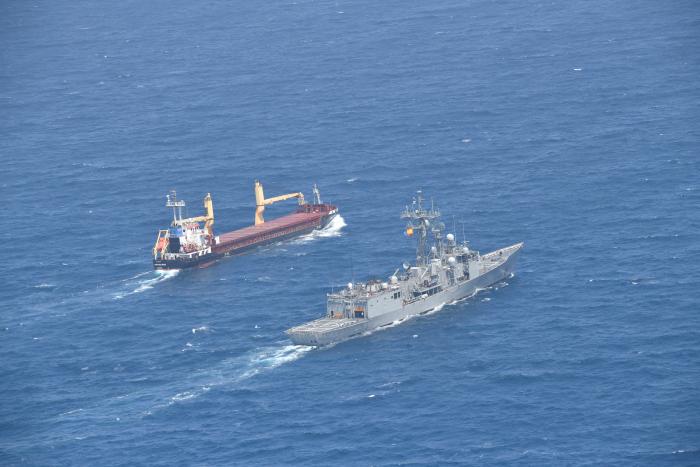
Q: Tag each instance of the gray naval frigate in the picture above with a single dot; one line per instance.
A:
(445, 271)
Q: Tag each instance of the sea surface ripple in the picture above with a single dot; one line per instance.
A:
(571, 126)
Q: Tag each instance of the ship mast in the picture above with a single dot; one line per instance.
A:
(317, 195)
(177, 206)
(419, 219)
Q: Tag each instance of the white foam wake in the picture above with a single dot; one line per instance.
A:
(333, 229)
(144, 281)
(269, 358)
(229, 372)
(238, 369)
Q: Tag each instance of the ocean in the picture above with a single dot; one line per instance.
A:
(571, 126)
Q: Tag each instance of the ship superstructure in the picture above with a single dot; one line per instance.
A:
(191, 241)
(444, 271)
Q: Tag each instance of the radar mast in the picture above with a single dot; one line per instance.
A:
(177, 206)
(419, 219)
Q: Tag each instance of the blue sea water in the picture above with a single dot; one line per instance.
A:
(571, 126)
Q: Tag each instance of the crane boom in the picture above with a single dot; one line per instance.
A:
(275, 199)
(261, 202)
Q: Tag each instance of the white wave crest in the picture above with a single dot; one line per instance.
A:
(333, 229)
(186, 395)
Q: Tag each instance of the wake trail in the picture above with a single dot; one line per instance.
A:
(228, 373)
(238, 369)
(143, 281)
(80, 300)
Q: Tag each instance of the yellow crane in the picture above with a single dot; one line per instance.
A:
(261, 202)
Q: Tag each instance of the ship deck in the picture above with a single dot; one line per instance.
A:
(290, 220)
(495, 258)
(323, 325)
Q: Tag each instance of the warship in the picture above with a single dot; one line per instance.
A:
(445, 271)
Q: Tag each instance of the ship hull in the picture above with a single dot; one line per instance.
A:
(327, 331)
(244, 240)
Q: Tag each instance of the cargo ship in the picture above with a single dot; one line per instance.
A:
(191, 242)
